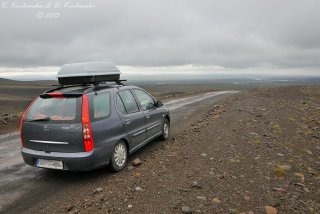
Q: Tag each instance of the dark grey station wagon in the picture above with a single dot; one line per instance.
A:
(91, 120)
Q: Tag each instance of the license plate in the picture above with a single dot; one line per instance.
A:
(50, 164)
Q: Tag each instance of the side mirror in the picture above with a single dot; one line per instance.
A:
(159, 103)
(151, 106)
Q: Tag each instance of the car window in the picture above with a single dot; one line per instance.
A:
(146, 101)
(55, 109)
(120, 105)
(101, 106)
(129, 102)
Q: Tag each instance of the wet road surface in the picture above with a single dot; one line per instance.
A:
(21, 185)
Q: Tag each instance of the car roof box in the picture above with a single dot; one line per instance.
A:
(88, 73)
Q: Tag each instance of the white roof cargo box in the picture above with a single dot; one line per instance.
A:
(88, 72)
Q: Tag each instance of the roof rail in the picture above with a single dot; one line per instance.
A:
(100, 85)
(58, 87)
(120, 82)
(93, 86)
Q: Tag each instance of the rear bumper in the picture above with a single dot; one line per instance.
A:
(80, 161)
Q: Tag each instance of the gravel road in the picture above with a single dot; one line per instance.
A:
(23, 187)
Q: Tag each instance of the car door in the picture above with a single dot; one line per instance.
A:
(132, 118)
(154, 116)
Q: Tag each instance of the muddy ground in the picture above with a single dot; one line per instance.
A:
(256, 152)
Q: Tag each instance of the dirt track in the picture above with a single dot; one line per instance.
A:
(255, 149)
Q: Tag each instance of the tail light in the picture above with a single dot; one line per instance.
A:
(22, 119)
(86, 128)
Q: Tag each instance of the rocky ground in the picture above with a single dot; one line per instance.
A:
(256, 152)
(9, 122)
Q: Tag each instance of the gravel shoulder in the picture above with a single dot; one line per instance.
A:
(256, 152)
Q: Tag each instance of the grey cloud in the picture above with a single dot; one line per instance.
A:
(235, 34)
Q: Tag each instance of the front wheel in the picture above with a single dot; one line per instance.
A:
(119, 157)
(165, 130)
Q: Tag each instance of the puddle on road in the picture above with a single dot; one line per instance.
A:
(14, 182)
(10, 151)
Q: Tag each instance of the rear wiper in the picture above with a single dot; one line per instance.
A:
(40, 119)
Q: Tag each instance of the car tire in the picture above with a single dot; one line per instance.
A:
(119, 157)
(165, 130)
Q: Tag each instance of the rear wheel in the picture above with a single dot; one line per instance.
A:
(119, 157)
(165, 130)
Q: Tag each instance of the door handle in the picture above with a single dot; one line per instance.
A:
(127, 121)
(148, 116)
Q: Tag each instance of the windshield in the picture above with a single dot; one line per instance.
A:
(54, 109)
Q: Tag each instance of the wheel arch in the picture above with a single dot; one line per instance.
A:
(126, 142)
(168, 118)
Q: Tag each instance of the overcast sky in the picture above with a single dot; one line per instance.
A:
(212, 35)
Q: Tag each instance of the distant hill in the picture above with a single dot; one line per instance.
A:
(43, 83)
(6, 80)
(16, 95)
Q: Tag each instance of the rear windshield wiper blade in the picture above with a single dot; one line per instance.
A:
(40, 119)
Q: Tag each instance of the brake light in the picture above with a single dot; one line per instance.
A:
(56, 94)
(22, 119)
(86, 128)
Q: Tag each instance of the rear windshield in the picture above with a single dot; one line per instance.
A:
(55, 109)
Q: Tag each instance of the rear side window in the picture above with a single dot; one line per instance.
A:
(101, 106)
(54, 109)
(129, 102)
